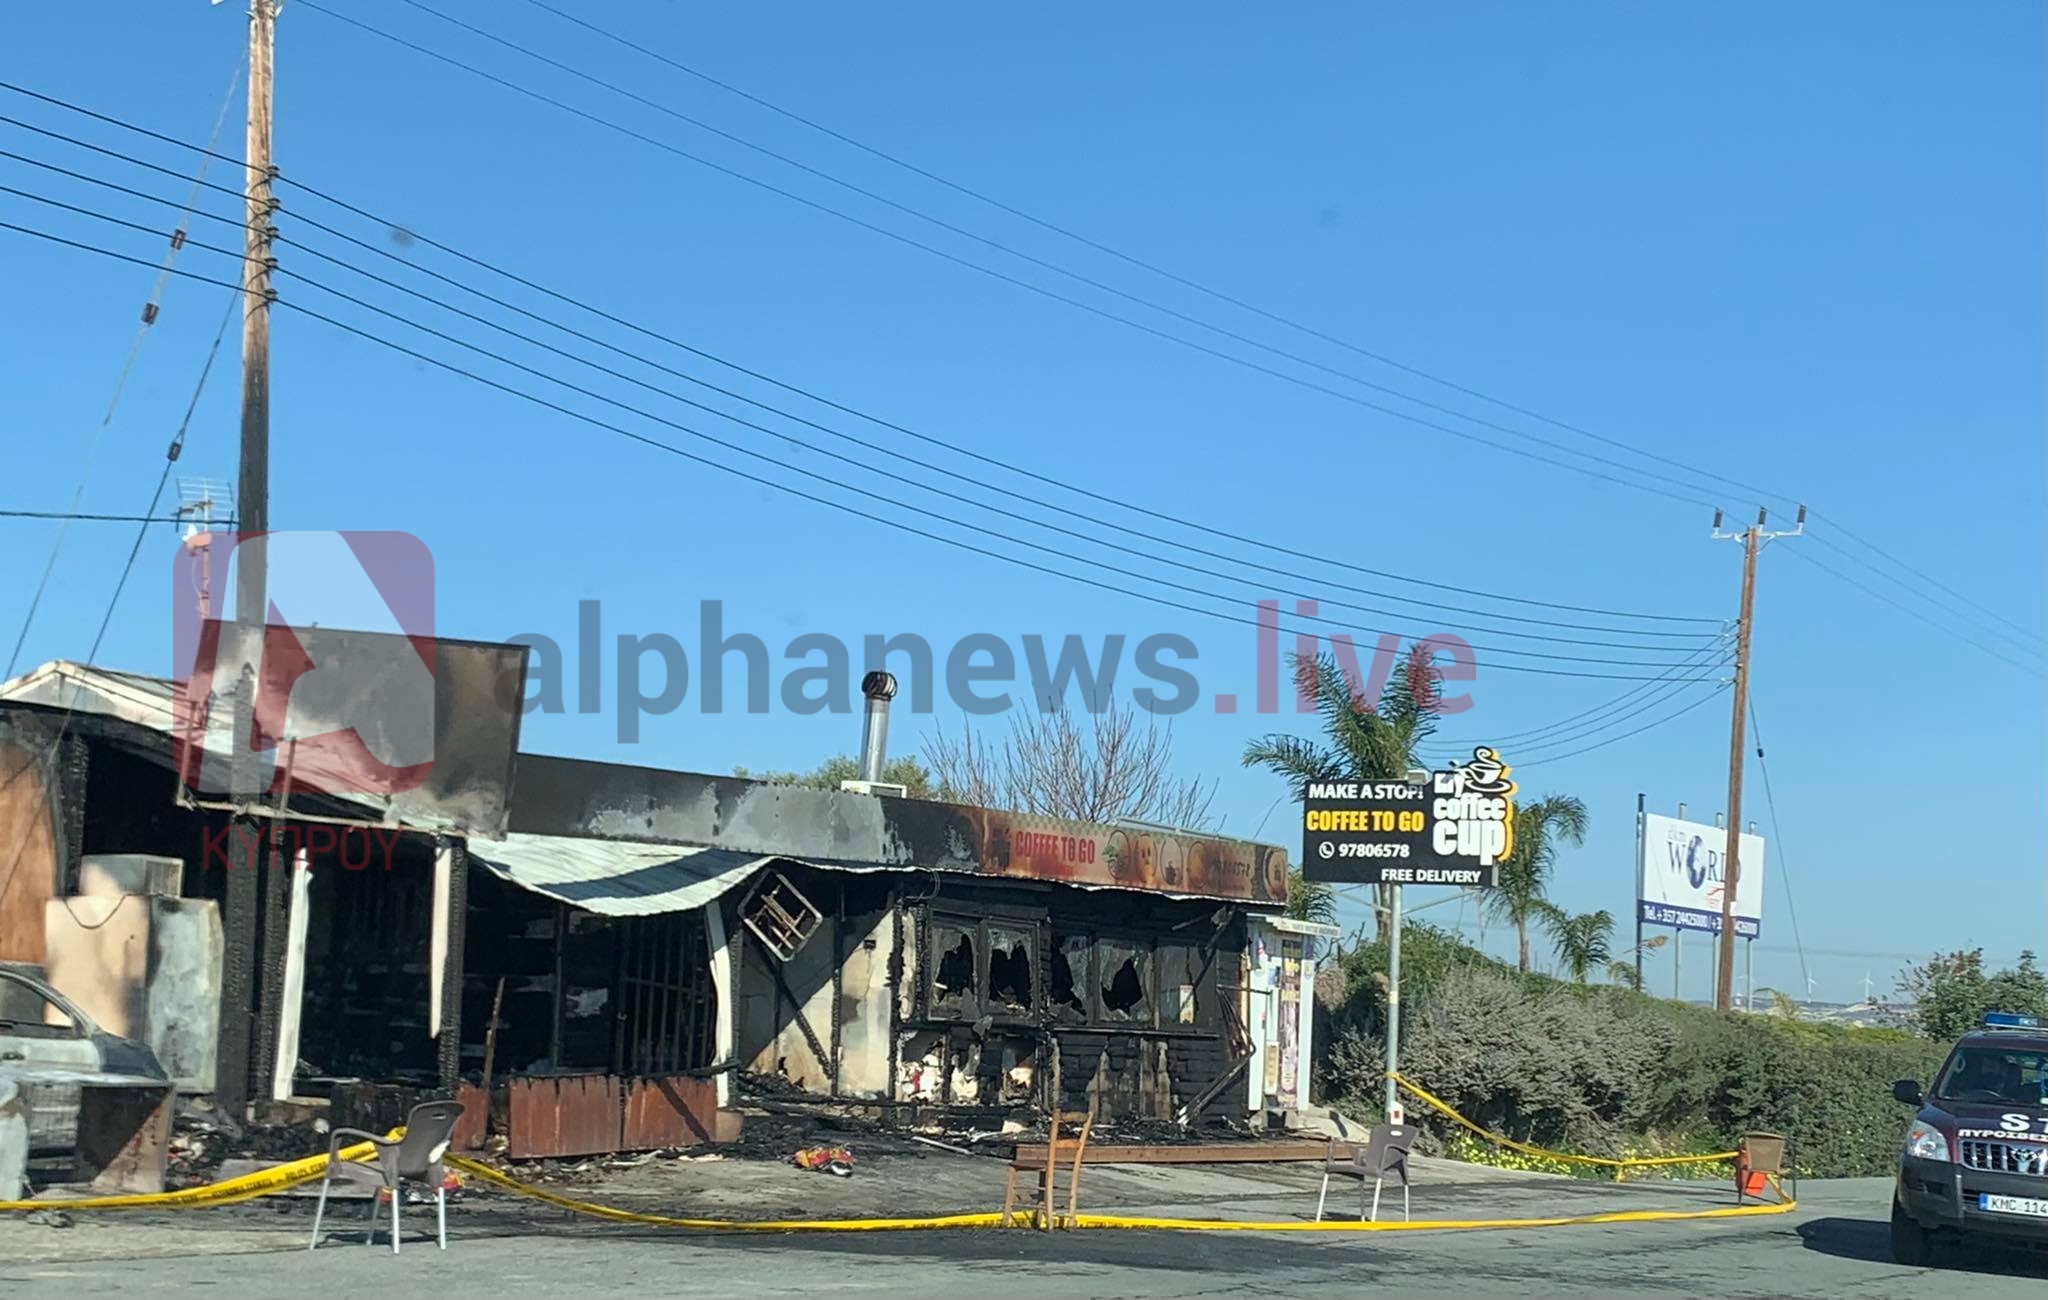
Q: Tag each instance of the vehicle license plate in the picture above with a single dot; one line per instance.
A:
(2013, 1205)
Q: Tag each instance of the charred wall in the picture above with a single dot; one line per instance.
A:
(1054, 995)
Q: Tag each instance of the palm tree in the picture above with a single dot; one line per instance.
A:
(1310, 900)
(1584, 942)
(1521, 895)
(1361, 742)
(1625, 974)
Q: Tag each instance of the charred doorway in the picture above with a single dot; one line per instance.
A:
(582, 992)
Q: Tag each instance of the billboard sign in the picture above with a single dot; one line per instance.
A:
(1454, 830)
(1681, 875)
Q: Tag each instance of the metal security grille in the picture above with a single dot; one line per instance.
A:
(2005, 1157)
(667, 1011)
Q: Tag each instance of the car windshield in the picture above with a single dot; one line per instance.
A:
(2010, 1076)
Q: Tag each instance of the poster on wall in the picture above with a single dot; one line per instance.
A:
(1681, 877)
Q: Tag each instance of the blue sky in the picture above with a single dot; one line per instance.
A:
(1802, 248)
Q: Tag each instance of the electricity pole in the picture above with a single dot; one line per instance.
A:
(238, 968)
(1753, 539)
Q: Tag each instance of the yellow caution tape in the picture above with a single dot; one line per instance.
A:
(247, 1187)
(1528, 1149)
(279, 1177)
(1432, 1225)
(493, 1176)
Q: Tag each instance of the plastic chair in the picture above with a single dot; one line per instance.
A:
(1384, 1155)
(415, 1154)
(1759, 1163)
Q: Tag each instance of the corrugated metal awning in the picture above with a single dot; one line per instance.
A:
(616, 877)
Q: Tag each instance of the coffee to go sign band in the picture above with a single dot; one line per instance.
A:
(1455, 830)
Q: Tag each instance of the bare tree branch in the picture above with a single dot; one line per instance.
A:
(1051, 763)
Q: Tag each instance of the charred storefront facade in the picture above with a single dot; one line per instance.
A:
(635, 949)
(925, 954)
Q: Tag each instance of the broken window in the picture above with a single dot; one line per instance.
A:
(1126, 981)
(1073, 983)
(953, 987)
(1009, 968)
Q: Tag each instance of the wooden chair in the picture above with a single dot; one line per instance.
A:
(1075, 1126)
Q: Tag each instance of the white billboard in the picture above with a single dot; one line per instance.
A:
(1681, 875)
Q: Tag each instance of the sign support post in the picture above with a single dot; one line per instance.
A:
(1639, 890)
(1393, 1003)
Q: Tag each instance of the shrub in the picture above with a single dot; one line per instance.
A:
(1609, 1071)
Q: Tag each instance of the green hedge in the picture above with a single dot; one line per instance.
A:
(1604, 1070)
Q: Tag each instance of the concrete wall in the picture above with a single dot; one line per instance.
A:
(771, 1039)
(146, 968)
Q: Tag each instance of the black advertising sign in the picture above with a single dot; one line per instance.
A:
(1455, 830)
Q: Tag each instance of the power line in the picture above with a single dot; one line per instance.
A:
(788, 466)
(88, 517)
(1875, 594)
(150, 308)
(1614, 740)
(973, 502)
(171, 454)
(1532, 751)
(1778, 836)
(2033, 637)
(927, 438)
(1528, 746)
(1860, 540)
(979, 238)
(650, 441)
(1076, 303)
(1963, 612)
(1547, 729)
(1129, 259)
(1120, 504)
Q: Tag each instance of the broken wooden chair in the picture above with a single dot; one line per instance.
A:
(414, 1155)
(1075, 1125)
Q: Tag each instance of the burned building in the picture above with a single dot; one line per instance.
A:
(608, 966)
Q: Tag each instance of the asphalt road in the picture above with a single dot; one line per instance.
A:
(1833, 1245)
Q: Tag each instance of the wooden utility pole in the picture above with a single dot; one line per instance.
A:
(1731, 858)
(239, 968)
(253, 491)
(1753, 539)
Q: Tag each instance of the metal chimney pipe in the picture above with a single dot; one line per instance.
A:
(879, 688)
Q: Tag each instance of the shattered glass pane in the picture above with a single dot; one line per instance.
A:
(952, 970)
(1126, 982)
(1009, 967)
(1073, 986)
